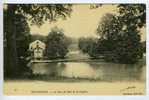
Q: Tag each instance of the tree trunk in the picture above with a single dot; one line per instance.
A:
(11, 55)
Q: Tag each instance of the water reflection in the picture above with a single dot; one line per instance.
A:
(92, 70)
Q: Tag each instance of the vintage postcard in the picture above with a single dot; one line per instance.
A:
(74, 49)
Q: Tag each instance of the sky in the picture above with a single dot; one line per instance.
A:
(82, 23)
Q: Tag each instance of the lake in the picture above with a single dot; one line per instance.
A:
(93, 70)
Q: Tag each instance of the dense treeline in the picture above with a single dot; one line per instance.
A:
(119, 35)
(88, 45)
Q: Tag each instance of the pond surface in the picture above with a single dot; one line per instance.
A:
(93, 70)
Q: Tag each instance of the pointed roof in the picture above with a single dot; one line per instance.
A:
(36, 43)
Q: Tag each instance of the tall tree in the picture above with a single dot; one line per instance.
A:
(57, 46)
(37, 14)
(122, 32)
(133, 18)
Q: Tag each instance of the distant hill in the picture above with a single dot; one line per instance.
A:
(38, 37)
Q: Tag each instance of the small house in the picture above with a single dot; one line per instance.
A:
(37, 49)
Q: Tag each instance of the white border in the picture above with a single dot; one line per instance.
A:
(2, 97)
(74, 1)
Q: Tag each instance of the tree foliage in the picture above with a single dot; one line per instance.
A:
(37, 14)
(109, 27)
(88, 45)
(133, 15)
(22, 39)
(57, 44)
(121, 33)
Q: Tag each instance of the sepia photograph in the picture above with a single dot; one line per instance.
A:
(74, 49)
